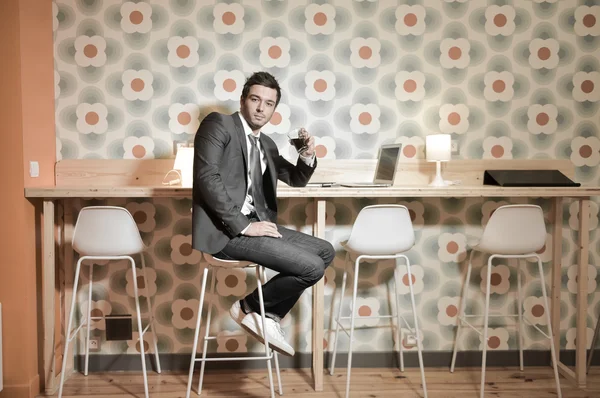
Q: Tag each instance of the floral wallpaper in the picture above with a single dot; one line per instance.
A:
(508, 79)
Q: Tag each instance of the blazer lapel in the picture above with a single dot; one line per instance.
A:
(242, 138)
(270, 163)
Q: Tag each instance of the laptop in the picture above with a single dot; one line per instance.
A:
(385, 170)
(528, 178)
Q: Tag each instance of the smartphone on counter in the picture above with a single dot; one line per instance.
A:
(321, 184)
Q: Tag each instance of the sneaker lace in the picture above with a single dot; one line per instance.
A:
(277, 327)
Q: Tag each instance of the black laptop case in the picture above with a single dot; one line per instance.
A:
(528, 178)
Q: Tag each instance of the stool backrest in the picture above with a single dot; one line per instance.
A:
(106, 231)
(382, 230)
(514, 229)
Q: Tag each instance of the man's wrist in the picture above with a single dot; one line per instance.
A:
(308, 160)
(245, 229)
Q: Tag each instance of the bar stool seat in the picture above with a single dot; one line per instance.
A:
(214, 262)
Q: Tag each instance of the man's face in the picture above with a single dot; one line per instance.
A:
(258, 107)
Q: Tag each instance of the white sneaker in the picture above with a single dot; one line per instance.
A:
(253, 324)
(236, 312)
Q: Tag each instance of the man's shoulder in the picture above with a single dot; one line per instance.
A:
(218, 116)
(214, 119)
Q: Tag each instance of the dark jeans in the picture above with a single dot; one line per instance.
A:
(300, 260)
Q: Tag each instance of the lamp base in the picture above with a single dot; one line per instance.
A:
(438, 181)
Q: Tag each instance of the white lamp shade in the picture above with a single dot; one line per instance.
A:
(184, 162)
(438, 147)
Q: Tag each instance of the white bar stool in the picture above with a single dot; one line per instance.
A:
(108, 233)
(513, 231)
(261, 278)
(379, 232)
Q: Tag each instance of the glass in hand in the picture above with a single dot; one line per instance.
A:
(299, 139)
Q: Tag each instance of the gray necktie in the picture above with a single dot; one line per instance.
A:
(256, 176)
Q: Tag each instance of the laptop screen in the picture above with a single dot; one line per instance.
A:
(386, 165)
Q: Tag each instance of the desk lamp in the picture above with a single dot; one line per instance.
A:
(184, 162)
(438, 149)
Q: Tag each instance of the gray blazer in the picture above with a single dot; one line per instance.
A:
(220, 180)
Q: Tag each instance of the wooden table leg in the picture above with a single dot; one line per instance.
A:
(48, 291)
(318, 303)
(556, 284)
(582, 293)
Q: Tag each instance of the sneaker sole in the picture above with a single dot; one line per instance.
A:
(273, 346)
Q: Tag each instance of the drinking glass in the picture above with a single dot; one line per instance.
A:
(298, 139)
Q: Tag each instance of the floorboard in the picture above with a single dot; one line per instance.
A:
(366, 383)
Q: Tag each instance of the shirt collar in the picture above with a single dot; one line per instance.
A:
(247, 129)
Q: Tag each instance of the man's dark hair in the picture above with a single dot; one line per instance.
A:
(263, 79)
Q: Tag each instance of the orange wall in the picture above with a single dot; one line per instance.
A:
(37, 87)
(26, 132)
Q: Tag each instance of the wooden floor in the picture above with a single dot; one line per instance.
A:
(366, 383)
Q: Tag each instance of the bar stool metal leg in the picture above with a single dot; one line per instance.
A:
(520, 312)
(276, 358)
(68, 336)
(139, 324)
(89, 320)
(461, 313)
(486, 317)
(151, 316)
(398, 324)
(209, 302)
(353, 311)
(196, 333)
(263, 274)
(264, 329)
(339, 315)
(417, 332)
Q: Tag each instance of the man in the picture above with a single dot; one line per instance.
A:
(236, 168)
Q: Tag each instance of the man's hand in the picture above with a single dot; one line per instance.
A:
(310, 143)
(262, 228)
